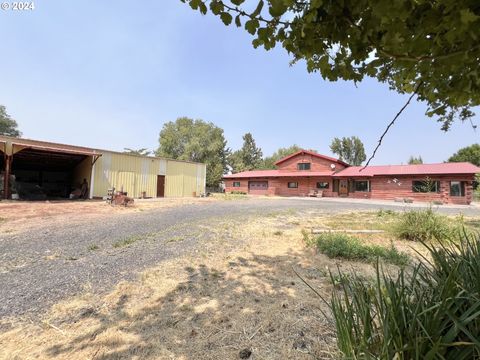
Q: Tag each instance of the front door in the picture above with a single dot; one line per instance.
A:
(160, 185)
(343, 188)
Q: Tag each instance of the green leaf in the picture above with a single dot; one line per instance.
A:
(467, 16)
(258, 9)
(237, 2)
(277, 8)
(203, 8)
(216, 7)
(194, 4)
(237, 21)
(252, 25)
(226, 18)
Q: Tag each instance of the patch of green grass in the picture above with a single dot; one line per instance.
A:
(429, 312)
(425, 225)
(127, 241)
(337, 245)
(93, 247)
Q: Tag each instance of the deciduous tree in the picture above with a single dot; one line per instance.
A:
(269, 161)
(431, 48)
(469, 154)
(349, 149)
(8, 126)
(196, 140)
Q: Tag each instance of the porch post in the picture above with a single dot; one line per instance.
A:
(6, 180)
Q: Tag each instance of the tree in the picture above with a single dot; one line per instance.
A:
(142, 151)
(349, 149)
(196, 140)
(8, 126)
(428, 48)
(415, 160)
(469, 154)
(249, 157)
(269, 162)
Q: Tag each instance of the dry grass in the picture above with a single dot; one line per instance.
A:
(238, 292)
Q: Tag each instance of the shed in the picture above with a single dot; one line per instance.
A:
(38, 170)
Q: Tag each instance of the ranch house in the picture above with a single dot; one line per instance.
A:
(307, 173)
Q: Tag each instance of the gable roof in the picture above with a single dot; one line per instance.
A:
(311, 153)
(419, 169)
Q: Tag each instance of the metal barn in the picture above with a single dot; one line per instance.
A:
(37, 170)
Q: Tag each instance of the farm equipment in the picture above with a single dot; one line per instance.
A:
(118, 198)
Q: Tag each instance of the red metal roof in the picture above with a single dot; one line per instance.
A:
(312, 154)
(276, 173)
(420, 169)
(59, 148)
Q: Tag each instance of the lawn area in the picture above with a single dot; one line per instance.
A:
(236, 297)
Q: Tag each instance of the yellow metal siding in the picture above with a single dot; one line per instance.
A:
(137, 174)
(134, 174)
(184, 179)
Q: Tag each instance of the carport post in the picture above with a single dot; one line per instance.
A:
(6, 182)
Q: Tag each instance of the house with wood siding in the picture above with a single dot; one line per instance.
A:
(307, 173)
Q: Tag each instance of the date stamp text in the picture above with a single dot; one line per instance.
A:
(17, 6)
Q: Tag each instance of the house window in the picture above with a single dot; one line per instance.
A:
(293, 185)
(425, 186)
(303, 166)
(362, 185)
(457, 188)
(236, 184)
(323, 185)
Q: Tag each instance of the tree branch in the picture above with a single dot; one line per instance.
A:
(259, 18)
(391, 124)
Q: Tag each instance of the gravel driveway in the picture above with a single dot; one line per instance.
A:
(40, 267)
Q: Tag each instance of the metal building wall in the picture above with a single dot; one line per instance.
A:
(184, 179)
(138, 173)
(135, 174)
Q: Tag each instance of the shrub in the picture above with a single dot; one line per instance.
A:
(236, 192)
(338, 245)
(432, 312)
(423, 225)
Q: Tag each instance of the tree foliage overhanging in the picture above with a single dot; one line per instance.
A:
(431, 47)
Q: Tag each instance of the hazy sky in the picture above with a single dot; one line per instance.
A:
(108, 74)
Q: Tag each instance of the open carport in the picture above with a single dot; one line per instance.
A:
(43, 171)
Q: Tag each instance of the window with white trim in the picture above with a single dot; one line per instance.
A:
(236, 184)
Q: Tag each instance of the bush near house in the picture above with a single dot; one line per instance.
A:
(423, 225)
(432, 312)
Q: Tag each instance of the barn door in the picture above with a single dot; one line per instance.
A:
(161, 186)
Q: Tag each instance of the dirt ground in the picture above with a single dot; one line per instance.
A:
(22, 215)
